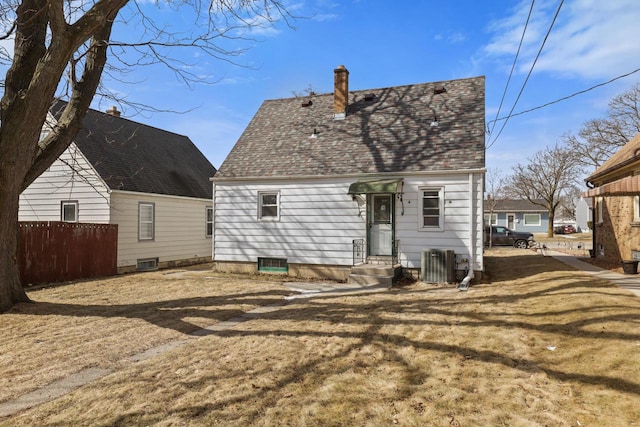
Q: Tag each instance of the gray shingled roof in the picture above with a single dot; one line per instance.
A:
(132, 156)
(516, 205)
(391, 133)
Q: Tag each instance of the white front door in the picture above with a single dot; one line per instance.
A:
(381, 224)
(511, 221)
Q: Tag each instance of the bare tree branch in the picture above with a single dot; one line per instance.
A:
(598, 139)
(549, 176)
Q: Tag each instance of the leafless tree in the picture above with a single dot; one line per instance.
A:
(62, 49)
(598, 139)
(549, 176)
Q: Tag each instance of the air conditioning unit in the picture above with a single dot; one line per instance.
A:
(438, 266)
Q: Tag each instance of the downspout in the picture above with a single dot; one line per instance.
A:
(593, 220)
(464, 285)
(213, 220)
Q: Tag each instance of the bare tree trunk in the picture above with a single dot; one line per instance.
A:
(550, 226)
(11, 290)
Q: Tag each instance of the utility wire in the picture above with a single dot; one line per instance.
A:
(564, 98)
(529, 74)
(513, 66)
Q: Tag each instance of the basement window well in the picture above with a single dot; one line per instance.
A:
(147, 264)
(273, 264)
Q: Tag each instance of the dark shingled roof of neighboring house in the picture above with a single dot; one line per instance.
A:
(132, 156)
(516, 205)
(386, 130)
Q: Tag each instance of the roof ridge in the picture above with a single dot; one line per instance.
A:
(439, 82)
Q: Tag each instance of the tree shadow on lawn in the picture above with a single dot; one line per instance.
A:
(373, 313)
(168, 314)
(392, 345)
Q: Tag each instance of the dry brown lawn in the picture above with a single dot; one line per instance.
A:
(536, 344)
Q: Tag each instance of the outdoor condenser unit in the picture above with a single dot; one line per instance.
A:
(438, 266)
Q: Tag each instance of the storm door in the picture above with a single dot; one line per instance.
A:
(381, 221)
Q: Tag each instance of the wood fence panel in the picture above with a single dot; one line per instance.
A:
(60, 251)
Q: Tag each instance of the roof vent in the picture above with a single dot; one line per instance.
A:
(369, 96)
(439, 89)
(307, 103)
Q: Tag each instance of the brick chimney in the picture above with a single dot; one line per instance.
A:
(113, 111)
(340, 92)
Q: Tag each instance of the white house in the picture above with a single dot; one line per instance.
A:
(317, 184)
(154, 184)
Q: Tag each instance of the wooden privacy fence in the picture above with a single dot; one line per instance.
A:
(61, 251)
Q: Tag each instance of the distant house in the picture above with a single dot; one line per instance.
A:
(154, 184)
(317, 184)
(517, 214)
(584, 214)
(615, 192)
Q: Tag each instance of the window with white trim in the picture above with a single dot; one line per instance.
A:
(269, 205)
(636, 208)
(69, 211)
(532, 219)
(208, 221)
(492, 221)
(146, 221)
(431, 211)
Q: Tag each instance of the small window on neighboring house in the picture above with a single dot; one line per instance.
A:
(209, 221)
(532, 219)
(492, 221)
(146, 221)
(269, 206)
(599, 207)
(69, 211)
(431, 208)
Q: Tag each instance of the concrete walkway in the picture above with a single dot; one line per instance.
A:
(311, 289)
(630, 282)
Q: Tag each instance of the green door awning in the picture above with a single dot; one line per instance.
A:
(378, 186)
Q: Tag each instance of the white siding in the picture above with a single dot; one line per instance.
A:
(319, 221)
(180, 228)
(317, 225)
(456, 231)
(70, 177)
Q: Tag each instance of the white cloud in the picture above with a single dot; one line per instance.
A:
(451, 38)
(324, 17)
(590, 39)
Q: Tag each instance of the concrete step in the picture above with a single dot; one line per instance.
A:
(373, 270)
(367, 280)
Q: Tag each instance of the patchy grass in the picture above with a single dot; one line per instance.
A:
(536, 344)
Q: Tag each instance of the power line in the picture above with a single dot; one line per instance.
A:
(529, 74)
(513, 66)
(564, 98)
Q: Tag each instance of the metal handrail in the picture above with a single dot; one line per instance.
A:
(395, 250)
(358, 251)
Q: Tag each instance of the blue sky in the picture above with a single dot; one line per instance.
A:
(404, 42)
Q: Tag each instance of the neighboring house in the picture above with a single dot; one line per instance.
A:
(584, 211)
(517, 214)
(615, 191)
(155, 185)
(314, 182)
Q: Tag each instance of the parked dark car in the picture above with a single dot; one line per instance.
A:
(564, 229)
(502, 236)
